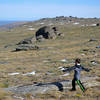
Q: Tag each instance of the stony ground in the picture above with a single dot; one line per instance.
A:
(25, 70)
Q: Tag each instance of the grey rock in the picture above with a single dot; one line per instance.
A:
(47, 32)
(41, 88)
(92, 39)
(26, 44)
(29, 40)
(26, 47)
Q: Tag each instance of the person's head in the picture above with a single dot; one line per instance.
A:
(77, 61)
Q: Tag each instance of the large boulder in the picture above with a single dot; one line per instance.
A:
(47, 32)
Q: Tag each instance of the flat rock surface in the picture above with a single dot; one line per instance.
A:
(55, 86)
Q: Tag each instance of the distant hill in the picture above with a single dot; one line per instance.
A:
(6, 22)
(4, 25)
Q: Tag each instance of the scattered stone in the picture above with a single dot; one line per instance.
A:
(66, 74)
(31, 73)
(47, 32)
(7, 46)
(18, 98)
(17, 73)
(76, 23)
(82, 25)
(92, 84)
(46, 61)
(64, 60)
(83, 54)
(14, 73)
(61, 68)
(93, 62)
(93, 25)
(85, 49)
(25, 25)
(31, 29)
(92, 39)
(41, 23)
(30, 26)
(3, 62)
(48, 73)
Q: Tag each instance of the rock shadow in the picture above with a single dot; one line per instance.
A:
(58, 84)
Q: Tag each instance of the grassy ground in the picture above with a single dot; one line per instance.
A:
(74, 44)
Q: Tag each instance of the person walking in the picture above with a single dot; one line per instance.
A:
(77, 69)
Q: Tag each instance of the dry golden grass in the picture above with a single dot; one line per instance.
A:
(70, 47)
(5, 95)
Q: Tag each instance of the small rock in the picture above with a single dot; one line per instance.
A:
(31, 73)
(63, 60)
(66, 74)
(83, 54)
(41, 23)
(61, 68)
(93, 62)
(85, 49)
(14, 73)
(82, 25)
(19, 98)
(76, 23)
(93, 25)
(92, 39)
(31, 29)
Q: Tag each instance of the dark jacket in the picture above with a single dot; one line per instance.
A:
(77, 69)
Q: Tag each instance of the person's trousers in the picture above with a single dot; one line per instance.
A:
(79, 83)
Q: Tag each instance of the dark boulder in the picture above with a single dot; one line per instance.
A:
(98, 24)
(47, 32)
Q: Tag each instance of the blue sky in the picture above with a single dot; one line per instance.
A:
(34, 9)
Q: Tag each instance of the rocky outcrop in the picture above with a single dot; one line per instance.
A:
(47, 32)
(26, 44)
(29, 40)
(26, 47)
(41, 88)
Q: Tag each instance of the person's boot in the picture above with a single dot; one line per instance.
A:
(73, 89)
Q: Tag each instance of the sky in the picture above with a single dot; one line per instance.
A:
(36, 9)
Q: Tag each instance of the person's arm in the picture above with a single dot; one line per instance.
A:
(85, 69)
(69, 69)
